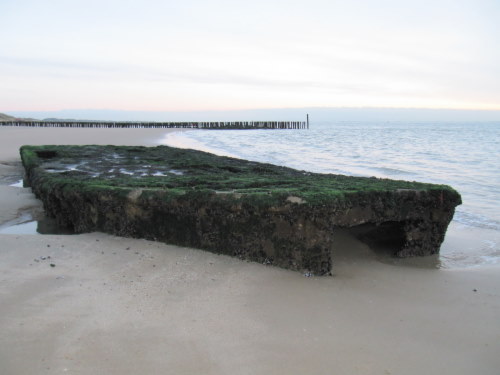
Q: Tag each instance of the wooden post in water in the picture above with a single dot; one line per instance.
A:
(307, 121)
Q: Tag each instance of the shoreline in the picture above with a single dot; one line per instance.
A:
(122, 306)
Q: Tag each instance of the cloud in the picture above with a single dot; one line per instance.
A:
(241, 54)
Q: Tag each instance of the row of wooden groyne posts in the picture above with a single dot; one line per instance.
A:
(181, 125)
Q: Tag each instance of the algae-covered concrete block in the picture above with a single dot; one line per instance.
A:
(255, 211)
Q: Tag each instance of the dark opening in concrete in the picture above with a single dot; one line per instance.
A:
(385, 239)
(46, 154)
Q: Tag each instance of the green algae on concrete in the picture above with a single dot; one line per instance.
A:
(256, 211)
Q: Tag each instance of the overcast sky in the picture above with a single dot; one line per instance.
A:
(217, 55)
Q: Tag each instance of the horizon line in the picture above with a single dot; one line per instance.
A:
(257, 109)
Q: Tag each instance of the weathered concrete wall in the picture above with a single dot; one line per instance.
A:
(285, 231)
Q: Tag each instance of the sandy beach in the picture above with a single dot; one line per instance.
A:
(100, 304)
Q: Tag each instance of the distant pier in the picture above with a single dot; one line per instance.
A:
(215, 125)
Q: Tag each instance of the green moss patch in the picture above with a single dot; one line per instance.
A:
(186, 171)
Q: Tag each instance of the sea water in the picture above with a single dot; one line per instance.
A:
(465, 155)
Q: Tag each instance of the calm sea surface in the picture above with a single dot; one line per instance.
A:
(463, 155)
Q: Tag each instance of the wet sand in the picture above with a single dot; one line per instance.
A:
(112, 305)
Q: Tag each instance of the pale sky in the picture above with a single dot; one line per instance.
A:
(184, 55)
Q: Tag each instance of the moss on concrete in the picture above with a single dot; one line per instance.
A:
(253, 210)
(189, 170)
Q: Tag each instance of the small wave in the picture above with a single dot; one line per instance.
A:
(17, 184)
(393, 171)
(183, 140)
(474, 220)
(461, 260)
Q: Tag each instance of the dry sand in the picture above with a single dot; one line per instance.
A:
(112, 305)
